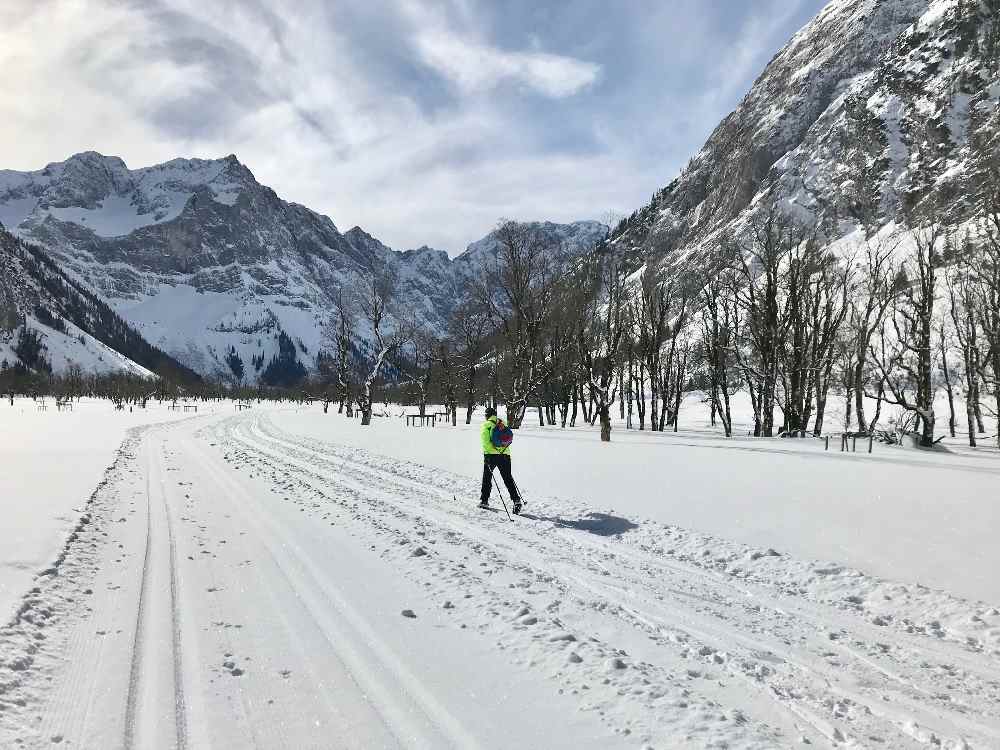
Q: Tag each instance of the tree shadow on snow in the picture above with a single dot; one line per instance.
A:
(600, 524)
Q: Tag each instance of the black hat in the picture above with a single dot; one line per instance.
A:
(490, 412)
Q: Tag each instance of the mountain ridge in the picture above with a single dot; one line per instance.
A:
(842, 128)
(196, 252)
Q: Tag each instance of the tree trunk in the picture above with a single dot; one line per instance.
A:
(948, 386)
(859, 396)
(970, 415)
(605, 415)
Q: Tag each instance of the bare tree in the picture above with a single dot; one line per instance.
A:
(761, 258)
(718, 333)
(985, 271)
(600, 333)
(517, 294)
(469, 326)
(338, 332)
(905, 360)
(375, 291)
(871, 296)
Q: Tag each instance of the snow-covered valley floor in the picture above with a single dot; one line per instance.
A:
(244, 581)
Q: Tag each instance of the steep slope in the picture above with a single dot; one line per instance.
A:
(869, 108)
(51, 323)
(215, 268)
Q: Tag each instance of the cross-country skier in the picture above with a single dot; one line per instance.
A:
(495, 457)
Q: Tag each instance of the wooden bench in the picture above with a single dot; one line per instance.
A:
(67, 405)
(190, 407)
(42, 406)
(444, 416)
(412, 419)
(241, 407)
(849, 442)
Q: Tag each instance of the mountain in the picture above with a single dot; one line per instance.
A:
(51, 323)
(871, 108)
(215, 268)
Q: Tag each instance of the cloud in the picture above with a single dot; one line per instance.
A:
(421, 122)
(475, 68)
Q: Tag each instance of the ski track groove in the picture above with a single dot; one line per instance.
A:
(313, 588)
(389, 480)
(142, 672)
(135, 674)
(226, 489)
(180, 707)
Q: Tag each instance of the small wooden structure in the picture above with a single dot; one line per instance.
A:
(849, 442)
(190, 407)
(64, 404)
(240, 406)
(423, 419)
(42, 406)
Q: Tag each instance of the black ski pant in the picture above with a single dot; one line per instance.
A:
(500, 461)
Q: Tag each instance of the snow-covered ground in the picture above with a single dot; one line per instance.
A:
(284, 578)
(899, 514)
(50, 463)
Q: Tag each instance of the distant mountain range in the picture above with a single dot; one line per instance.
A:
(208, 264)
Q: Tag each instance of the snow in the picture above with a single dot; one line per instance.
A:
(199, 327)
(15, 210)
(52, 461)
(74, 347)
(897, 514)
(281, 577)
(164, 189)
(116, 216)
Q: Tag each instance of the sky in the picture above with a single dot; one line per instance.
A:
(422, 122)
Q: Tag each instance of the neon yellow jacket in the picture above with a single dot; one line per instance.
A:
(484, 437)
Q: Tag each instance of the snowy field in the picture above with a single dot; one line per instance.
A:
(284, 578)
(50, 463)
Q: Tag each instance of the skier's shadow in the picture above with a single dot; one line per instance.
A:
(600, 524)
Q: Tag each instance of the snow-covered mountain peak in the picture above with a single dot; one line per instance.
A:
(212, 266)
(101, 194)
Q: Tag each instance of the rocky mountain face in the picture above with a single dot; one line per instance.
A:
(872, 109)
(215, 268)
(51, 323)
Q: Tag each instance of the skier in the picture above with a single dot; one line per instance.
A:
(496, 457)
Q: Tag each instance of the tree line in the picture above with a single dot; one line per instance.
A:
(775, 309)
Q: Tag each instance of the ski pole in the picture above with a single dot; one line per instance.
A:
(519, 493)
(494, 478)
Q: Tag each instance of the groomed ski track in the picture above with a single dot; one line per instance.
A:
(234, 585)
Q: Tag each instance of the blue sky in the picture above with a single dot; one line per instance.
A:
(424, 123)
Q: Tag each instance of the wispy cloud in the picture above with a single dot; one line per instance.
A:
(422, 122)
(476, 67)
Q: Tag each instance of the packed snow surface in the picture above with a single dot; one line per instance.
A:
(52, 459)
(281, 577)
